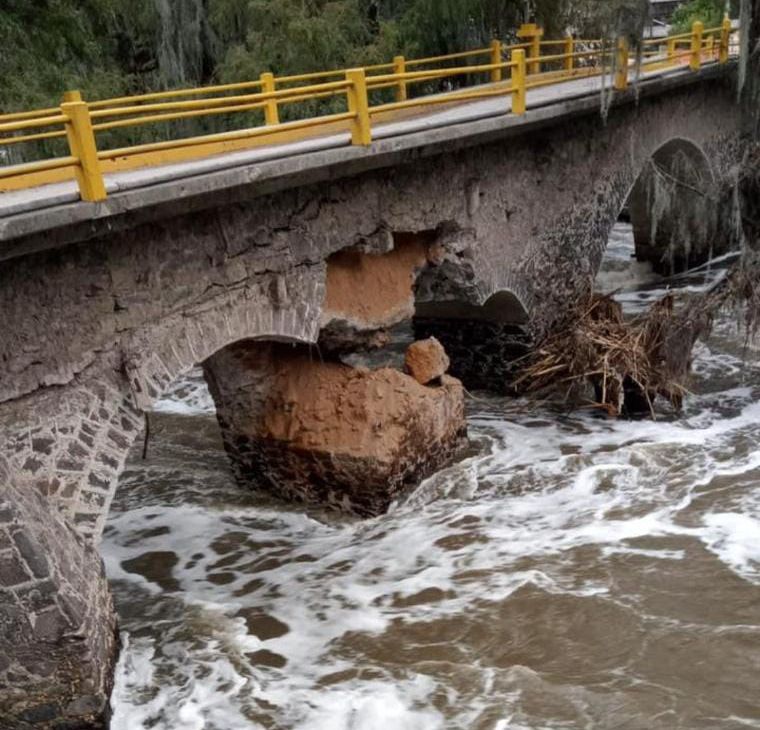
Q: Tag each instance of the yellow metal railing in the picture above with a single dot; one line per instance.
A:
(532, 63)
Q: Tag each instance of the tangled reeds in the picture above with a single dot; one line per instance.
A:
(598, 359)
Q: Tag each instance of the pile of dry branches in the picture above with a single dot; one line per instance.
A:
(626, 363)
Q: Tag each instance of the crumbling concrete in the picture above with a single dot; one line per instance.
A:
(369, 288)
(426, 361)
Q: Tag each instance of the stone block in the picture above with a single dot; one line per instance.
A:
(426, 361)
(33, 554)
(58, 639)
(12, 571)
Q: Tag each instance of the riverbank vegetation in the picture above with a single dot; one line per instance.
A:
(709, 12)
(114, 47)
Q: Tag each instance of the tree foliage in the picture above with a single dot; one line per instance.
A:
(710, 12)
(51, 45)
(115, 47)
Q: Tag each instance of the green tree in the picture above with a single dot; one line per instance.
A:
(434, 27)
(290, 36)
(710, 12)
(49, 46)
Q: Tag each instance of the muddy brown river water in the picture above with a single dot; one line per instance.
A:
(571, 572)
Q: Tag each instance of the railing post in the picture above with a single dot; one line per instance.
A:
(496, 60)
(358, 105)
(621, 64)
(671, 51)
(399, 67)
(569, 50)
(268, 86)
(82, 145)
(696, 45)
(532, 34)
(725, 39)
(518, 84)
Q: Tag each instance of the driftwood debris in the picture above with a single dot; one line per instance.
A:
(628, 363)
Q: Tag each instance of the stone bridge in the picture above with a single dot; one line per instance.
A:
(483, 227)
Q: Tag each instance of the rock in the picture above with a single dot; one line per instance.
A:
(426, 361)
(326, 433)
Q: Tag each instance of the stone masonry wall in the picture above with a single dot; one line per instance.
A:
(58, 637)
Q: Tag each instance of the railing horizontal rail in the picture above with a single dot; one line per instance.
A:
(312, 76)
(672, 57)
(174, 93)
(535, 82)
(448, 57)
(575, 54)
(441, 99)
(42, 166)
(172, 117)
(32, 137)
(33, 123)
(18, 116)
(383, 85)
(221, 101)
(438, 73)
(224, 136)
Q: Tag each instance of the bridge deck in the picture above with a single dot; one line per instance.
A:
(25, 204)
(50, 195)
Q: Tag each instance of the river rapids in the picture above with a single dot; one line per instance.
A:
(569, 572)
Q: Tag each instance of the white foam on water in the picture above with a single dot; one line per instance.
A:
(206, 690)
(735, 539)
(538, 491)
(327, 582)
(187, 396)
(369, 705)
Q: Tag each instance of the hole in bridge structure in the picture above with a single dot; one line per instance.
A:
(483, 341)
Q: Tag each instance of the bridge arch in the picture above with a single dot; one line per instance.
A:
(482, 340)
(279, 308)
(672, 207)
(104, 313)
(60, 636)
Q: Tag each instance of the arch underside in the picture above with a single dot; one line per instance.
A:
(674, 208)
